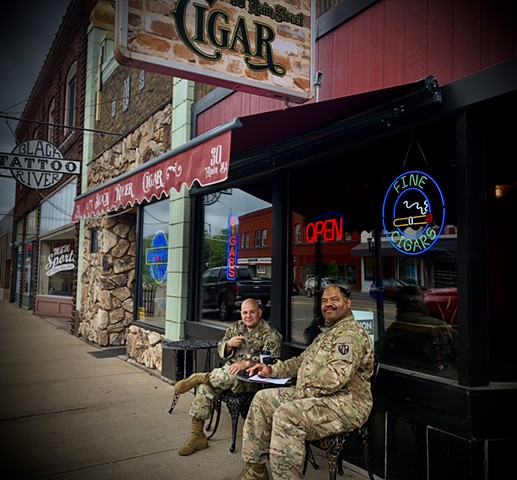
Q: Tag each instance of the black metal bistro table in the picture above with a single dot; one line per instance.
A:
(182, 350)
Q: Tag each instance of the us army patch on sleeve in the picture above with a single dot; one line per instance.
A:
(344, 348)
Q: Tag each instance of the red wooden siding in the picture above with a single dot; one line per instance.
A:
(396, 42)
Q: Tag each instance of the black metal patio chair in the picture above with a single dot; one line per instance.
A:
(333, 445)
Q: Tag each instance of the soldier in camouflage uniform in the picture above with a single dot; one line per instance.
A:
(332, 394)
(240, 347)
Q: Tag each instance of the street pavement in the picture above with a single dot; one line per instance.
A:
(72, 411)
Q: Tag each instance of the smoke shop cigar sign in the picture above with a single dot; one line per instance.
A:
(413, 212)
(38, 164)
(265, 48)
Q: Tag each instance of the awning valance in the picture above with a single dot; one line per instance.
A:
(204, 159)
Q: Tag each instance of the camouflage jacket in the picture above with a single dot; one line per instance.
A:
(338, 364)
(262, 337)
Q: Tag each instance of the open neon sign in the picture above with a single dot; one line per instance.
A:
(328, 226)
(233, 246)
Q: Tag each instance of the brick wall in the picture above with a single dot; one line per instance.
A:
(155, 94)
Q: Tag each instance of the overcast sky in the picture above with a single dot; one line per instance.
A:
(27, 30)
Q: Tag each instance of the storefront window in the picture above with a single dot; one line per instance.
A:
(349, 228)
(28, 275)
(321, 257)
(56, 211)
(57, 260)
(27, 270)
(31, 228)
(152, 285)
(235, 268)
(57, 263)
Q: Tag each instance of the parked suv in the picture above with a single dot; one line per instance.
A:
(218, 292)
(443, 303)
(312, 282)
(389, 289)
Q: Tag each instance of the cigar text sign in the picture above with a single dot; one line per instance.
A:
(249, 45)
(38, 164)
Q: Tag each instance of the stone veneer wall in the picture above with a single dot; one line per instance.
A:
(108, 276)
(145, 347)
(107, 296)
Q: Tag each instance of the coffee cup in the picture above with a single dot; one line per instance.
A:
(267, 358)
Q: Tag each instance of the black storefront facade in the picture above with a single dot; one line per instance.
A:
(342, 156)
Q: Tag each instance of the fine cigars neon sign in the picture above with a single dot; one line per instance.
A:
(413, 212)
(329, 227)
(233, 246)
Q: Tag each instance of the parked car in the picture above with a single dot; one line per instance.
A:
(443, 303)
(390, 288)
(312, 282)
(227, 295)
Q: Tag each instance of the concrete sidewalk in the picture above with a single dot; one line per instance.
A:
(69, 410)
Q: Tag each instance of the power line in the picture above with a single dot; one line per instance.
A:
(68, 127)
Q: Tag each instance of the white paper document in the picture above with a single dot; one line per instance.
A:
(275, 381)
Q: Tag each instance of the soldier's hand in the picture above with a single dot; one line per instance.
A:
(237, 342)
(236, 367)
(260, 369)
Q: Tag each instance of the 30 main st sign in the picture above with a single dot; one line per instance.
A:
(38, 164)
(249, 45)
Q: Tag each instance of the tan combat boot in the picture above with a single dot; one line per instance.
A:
(197, 439)
(193, 381)
(253, 471)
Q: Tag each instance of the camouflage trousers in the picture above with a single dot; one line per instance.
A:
(277, 425)
(220, 379)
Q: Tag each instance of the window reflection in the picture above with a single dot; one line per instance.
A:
(376, 273)
(418, 340)
(416, 306)
(153, 264)
(320, 257)
(337, 236)
(57, 263)
(235, 267)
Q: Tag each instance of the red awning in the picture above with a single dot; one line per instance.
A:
(205, 159)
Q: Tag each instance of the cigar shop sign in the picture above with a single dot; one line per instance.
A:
(413, 212)
(38, 164)
(265, 48)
